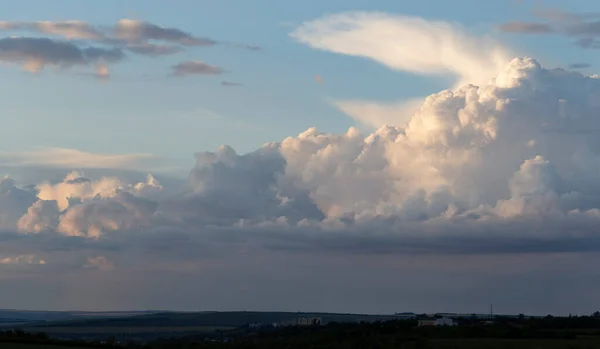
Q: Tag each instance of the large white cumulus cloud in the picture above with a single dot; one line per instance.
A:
(404, 43)
(516, 156)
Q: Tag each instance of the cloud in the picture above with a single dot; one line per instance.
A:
(35, 53)
(436, 47)
(112, 55)
(195, 68)
(231, 84)
(100, 263)
(127, 30)
(579, 65)
(76, 186)
(74, 158)
(136, 31)
(559, 15)
(101, 71)
(68, 44)
(526, 27)
(22, 259)
(248, 47)
(79, 206)
(587, 43)
(71, 30)
(14, 203)
(471, 171)
(584, 27)
(154, 50)
(404, 43)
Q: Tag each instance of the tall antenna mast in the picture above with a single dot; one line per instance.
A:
(491, 312)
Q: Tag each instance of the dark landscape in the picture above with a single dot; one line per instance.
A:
(58, 330)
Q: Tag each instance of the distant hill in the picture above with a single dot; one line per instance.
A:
(10, 317)
(70, 326)
(143, 326)
(226, 319)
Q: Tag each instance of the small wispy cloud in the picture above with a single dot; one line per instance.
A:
(231, 84)
(154, 50)
(22, 259)
(526, 27)
(246, 46)
(136, 31)
(74, 158)
(579, 65)
(583, 27)
(71, 30)
(195, 68)
(100, 263)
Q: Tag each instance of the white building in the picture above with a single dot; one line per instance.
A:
(445, 321)
(441, 321)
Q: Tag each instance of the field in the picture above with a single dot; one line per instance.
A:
(108, 330)
(203, 330)
(35, 346)
(510, 344)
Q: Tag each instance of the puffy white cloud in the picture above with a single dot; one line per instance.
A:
(149, 188)
(95, 217)
(79, 206)
(76, 187)
(14, 202)
(43, 215)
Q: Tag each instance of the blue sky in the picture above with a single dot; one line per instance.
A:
(142, 110)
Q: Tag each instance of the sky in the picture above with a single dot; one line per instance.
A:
(308, 156)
